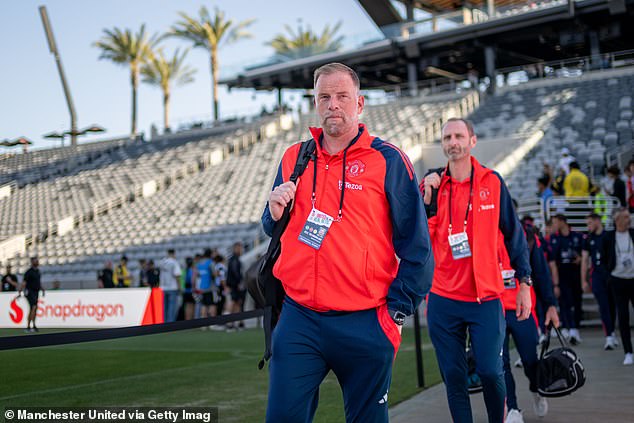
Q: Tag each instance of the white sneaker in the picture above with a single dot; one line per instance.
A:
(540, 405)
(629, 359)
(575, 338)
(610, 343)
(514, 416)
(518, 363)
(616, 340)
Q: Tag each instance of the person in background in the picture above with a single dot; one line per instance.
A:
(31, 286)
(203, 285)
(576, 183)
(524, 332)
(618, 186)
(235, 282)
(565, 261)
(220, 283)
(187, 279)
(629, 174)
(558, 183)
(544, 192)
(565, 160)
(9, 281)
(104, 276)
(122, 276)
(473, 206)
(143, 273)
(602, 290)
(169, 276)
(153, 275)
(618, 254)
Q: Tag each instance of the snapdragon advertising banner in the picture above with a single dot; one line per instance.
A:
(85, 308)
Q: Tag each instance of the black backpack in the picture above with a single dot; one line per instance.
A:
(266, 290)
(559, 371)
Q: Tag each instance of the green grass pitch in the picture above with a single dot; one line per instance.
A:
(187, 368)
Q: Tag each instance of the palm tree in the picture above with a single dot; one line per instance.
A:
(210, 33)
(306, 43)
(127, 48)
(162, 72)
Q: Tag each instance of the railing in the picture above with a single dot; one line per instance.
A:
(567, 67)
(576, 209)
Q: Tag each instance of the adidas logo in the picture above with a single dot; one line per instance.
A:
(384, 399)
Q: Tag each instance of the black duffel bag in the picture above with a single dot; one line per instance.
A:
(559, 371)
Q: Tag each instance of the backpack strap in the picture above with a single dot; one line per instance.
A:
(431, 209)
(306, 152)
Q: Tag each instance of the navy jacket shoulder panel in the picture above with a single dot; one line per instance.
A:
(410, 235)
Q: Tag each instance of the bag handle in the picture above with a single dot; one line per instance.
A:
(546, 343)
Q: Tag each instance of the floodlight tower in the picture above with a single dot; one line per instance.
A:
(53, 49)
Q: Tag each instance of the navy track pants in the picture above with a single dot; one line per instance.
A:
(525, 338)
(359, 347)
(448, 321)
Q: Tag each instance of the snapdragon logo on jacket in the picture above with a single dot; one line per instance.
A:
(15, 313)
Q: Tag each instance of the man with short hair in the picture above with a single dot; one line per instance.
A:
(565, 261)
(170, 285)
(618, 253)
(9, 281)
(473, 206)
(591, 253)
(32, 285)
(355, 209)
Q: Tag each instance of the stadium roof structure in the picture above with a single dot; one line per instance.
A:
(532, 34)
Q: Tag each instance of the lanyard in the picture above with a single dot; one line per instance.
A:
(343, 175)
(466, 214)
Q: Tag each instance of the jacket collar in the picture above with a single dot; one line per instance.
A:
(479, 171)
(364, 140)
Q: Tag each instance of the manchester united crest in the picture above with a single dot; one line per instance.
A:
(484, 194)
(355, 168)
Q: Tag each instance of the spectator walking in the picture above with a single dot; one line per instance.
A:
(170, 273)
(618, 253)
(565, 262)
(544, 192)
(592, 254)
(32, 285)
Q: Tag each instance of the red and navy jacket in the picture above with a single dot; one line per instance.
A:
(383, 217)
(478, 277)
(542, 282)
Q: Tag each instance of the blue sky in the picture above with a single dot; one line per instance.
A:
(31, 97)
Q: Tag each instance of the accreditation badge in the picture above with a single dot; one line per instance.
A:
(508, 276)
(315, 228)
(459, 244)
